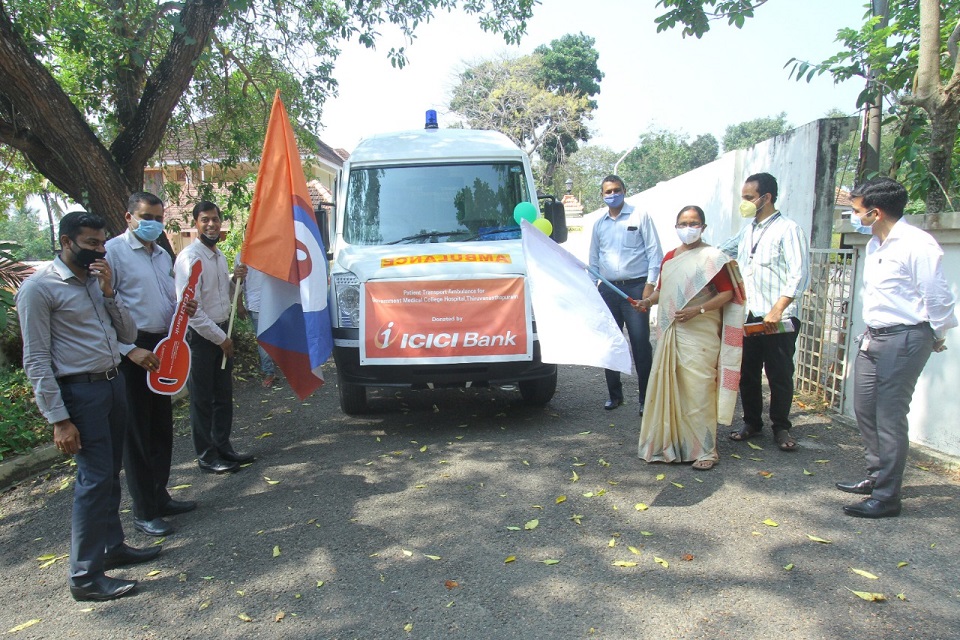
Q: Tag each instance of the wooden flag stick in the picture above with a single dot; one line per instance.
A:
(233, 314)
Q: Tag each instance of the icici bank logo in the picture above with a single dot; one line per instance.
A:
(385, 336)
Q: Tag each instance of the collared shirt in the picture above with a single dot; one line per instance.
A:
(144, 278)
(903, 282)
(774, 258)
(213, 290)
(68, 328)
(626, 247)
(252, 286)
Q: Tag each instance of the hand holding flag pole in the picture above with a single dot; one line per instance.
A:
(233, 314)
(596, 274)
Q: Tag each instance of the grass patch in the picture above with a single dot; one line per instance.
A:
(22, 427)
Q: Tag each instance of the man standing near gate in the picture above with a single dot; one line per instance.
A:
(908, 308)
(625, 249)
(774, 259)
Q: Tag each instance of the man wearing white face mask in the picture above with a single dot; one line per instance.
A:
(625, 249)
(773, 255)
(143, 276)
(908, 308)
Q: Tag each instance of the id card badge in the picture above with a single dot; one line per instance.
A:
(865, 342)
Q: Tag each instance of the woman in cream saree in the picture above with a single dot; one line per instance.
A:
(696, 366)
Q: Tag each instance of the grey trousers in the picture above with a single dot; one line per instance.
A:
(886, 375)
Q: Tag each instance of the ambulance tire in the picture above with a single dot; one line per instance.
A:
(538, 391)
(353, 398)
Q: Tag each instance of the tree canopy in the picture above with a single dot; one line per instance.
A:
(661, 155)
(748, 133)
(88, 90)
(541, 101)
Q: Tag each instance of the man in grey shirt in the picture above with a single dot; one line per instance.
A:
(72, 324)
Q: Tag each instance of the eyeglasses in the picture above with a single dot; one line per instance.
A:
(692, 225)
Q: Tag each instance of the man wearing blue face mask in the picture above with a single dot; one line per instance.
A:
(625, 249)
(908, 308)
(143, 274)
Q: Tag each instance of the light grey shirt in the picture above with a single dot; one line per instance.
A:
(213, 290)
(68, 328)
(774, 258)
(144, 279)
(626, 247)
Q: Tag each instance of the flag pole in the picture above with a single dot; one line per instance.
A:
(596, 274)
(233, 314)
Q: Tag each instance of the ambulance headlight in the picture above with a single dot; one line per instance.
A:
(347, 287)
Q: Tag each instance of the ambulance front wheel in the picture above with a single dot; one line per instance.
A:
(538, 391)
(353, 398)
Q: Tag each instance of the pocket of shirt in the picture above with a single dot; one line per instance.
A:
(633, 238)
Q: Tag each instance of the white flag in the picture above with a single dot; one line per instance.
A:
(574, 325)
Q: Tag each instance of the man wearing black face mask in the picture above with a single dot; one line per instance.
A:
(211, 387)
(72, 323)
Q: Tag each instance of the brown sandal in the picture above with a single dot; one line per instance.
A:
(744, 434)
(703, 465)
(785, 441)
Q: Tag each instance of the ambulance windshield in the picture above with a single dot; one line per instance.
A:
(433, 203)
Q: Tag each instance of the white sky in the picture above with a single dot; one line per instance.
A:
(650, 79)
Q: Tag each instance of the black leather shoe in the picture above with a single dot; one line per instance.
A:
(176, 507)
(102, 588)
(611, 404)
(156, 527)
(125, 554)
(239, 458)
(641, 408)
(864, 487)
(218, 466)
(871, 508)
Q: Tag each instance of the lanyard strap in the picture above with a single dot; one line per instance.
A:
(753, 249)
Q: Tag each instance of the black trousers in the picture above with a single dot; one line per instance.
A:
(773, 355)
(638, 329)
(211, 398)
(99, 411)
(148, 447)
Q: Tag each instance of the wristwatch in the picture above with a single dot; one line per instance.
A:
(701, 310)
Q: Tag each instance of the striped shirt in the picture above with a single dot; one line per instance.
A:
(774, 258)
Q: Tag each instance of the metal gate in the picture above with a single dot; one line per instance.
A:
(825, 321)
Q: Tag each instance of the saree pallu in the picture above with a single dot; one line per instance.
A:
(696, 367)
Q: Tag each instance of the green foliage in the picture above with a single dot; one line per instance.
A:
(586, 168)
(695, 18)
(662, 155)
(746, 134)
(12, 274)
(22, 227)
(22, 427)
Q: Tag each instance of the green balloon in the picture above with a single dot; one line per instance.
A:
(525, 211)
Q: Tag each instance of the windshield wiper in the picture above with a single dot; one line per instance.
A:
(428, 234)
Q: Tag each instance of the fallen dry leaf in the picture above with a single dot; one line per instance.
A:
(901, 565)
(409, 626)
(634, 550)
(23, 625)
(640, 506)
(865, 574)
(280, 616)
(533, 524)
(820, 540)
(624, 563)
(245, 617)
(755, 447)
(868, 596)
(788, 567)
(661, 562)
(276, 551)
(770, 523)
(687, 557)
(551, 561)
(509, 559)
(561, 499)
(765, 474)
(807, 473)
(451, 584)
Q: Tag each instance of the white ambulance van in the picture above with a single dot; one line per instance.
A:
(428, 284)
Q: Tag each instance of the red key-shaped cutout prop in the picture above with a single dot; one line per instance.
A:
(173, 351)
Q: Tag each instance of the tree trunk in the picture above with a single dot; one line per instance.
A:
(943, 136)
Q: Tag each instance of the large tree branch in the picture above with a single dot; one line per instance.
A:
(140, 139)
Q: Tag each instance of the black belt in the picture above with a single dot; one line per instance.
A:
(109, 374)
(147, 335)
(897, 328)
(630, 281)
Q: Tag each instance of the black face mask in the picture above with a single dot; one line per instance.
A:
(210, 242)
(86, 257)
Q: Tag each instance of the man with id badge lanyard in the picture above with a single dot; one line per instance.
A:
(908, 308)
(773, 255)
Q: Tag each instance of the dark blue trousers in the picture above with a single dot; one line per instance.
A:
(99, 411)
(211, 397)
(638, 328)
(771, 354)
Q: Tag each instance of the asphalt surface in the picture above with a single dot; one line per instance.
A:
(395, 525)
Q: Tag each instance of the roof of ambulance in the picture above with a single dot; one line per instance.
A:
(434, 144)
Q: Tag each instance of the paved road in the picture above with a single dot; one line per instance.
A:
(395, 525)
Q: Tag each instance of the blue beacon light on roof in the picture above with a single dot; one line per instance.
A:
(431, 122)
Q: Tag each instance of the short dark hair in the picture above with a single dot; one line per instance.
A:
(883, 193)
(205, 205)
(613, 178)
(145, 197)
(766, 183)
(693, 207)
(71, 223)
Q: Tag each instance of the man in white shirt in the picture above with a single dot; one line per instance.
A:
(143, 277)
(774, 259)
(908, 308)
(252, 287)
(211, 387)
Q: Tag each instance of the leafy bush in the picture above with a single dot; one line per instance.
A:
(22, 427)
